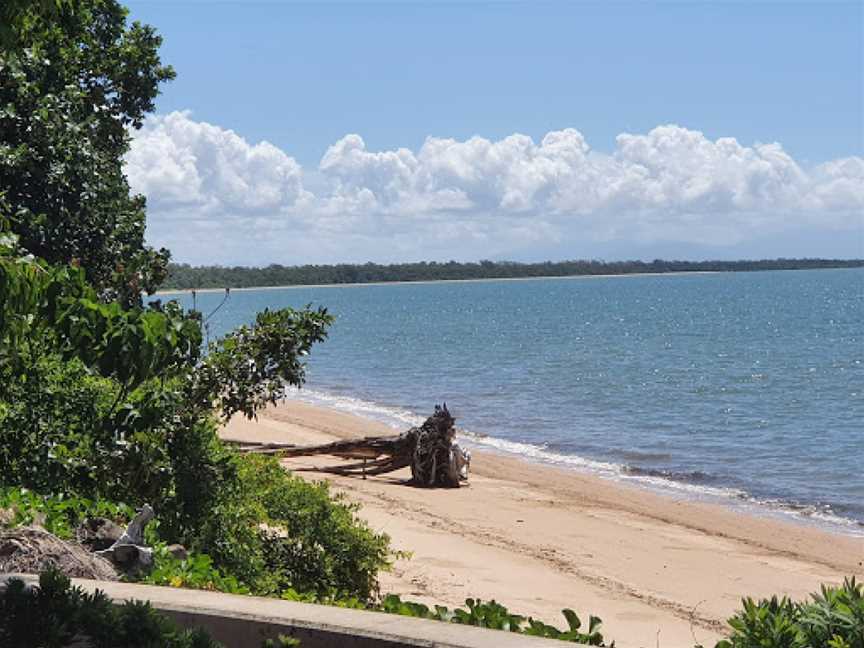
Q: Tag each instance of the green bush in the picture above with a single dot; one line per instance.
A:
(833, 618)
(51, 426)
(58, 514)
(271, 533)
(312, 540)
(196, 571)
(493, 615)
(67, 430)
(262, 529)
(54, 615)
(101, 402)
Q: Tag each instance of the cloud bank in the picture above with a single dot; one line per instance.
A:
(214, 197)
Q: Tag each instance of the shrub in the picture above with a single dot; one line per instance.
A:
(51, 431)
(58, 514)
(313, 540)
(55, 613)
(105, 403)
(255, 529)
(833, 618)
(196, 571)
(495, 616)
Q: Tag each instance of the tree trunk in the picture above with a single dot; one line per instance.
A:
(435, 459)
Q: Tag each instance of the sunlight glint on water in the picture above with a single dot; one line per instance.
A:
(743, 385)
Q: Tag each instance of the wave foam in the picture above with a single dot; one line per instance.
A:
(675, 484)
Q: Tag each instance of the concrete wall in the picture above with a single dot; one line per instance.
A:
(245, 621)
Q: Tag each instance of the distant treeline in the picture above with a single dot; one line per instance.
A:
(183, 276)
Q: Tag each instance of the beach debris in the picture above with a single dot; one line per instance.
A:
(98, 533)
(101, 549)
(430, 450)
(31, 550)
(130, 552)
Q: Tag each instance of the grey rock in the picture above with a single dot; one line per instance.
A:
(178, 551)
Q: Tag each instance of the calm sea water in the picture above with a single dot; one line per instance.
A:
(743, 386)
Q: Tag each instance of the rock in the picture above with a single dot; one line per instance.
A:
(178, 551)
(98, 533)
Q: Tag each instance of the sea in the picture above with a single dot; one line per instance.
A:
(743, 387)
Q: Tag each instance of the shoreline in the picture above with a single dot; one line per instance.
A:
(737, 501)
(540, 538)
(732, 498)
(678, 273)
(182, 291)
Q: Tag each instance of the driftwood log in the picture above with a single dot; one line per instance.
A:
(130, 552)
(430, 450)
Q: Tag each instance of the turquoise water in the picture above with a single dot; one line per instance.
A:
(742, 386)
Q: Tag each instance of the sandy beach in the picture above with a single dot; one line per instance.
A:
(657, 570)
(188, 291)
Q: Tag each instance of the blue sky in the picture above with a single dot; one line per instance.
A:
(303, 76)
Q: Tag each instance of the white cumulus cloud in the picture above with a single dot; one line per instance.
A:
(186, 166)
(253, 203)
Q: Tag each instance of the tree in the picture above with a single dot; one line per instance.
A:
(100, 395)
(13, 14)
(74, 83)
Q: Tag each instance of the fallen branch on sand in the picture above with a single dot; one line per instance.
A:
(434, 457)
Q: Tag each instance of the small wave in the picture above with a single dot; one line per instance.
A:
(692, 477)
(638, 455)
(395, 417)
(692, 484)
(624, 454)
(540, 453)
(817, 512)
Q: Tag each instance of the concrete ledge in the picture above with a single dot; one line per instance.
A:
(245, 621)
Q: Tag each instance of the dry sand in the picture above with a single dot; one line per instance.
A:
(189, 291)
(658, 571)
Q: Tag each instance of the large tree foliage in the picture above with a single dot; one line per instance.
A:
(47, 309)
(14, 13)
(74, 81)
(101, 395)
(118, 403)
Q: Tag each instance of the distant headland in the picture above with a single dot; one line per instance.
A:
(186, 277)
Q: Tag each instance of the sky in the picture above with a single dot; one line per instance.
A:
(403, 131)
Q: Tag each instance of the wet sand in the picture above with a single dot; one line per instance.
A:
(659, 571)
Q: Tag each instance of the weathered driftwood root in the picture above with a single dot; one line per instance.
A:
(129, 552)
(435, 459)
